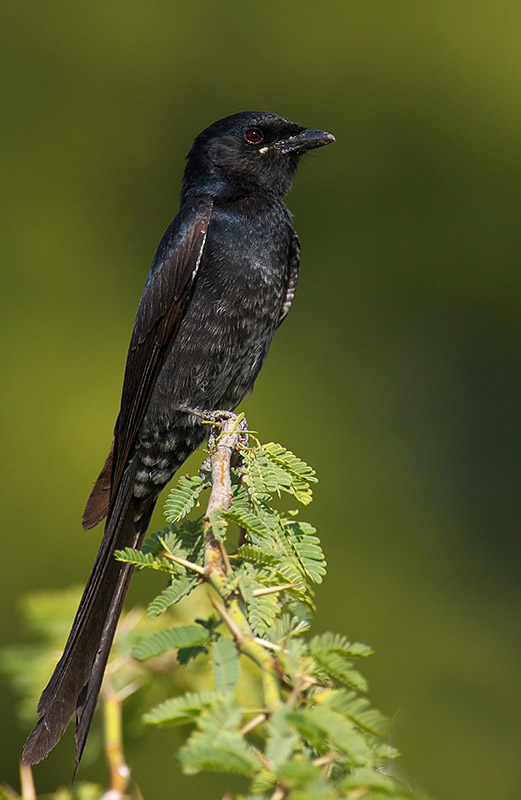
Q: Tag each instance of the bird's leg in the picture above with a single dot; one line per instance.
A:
(215, 418)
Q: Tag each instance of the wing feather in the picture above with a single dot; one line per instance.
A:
(158, 318)
(291, 276)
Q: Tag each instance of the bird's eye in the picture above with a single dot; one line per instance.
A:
(254, 135)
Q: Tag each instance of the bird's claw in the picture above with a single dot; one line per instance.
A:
(213, 417)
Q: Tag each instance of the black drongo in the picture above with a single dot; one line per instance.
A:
(222, 281)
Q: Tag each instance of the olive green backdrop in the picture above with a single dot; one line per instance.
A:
(397, 374)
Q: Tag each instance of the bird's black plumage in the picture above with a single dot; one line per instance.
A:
(222, 281)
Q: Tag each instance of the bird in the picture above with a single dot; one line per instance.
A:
(222, 281)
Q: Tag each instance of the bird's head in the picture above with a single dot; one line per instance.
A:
(252, 152)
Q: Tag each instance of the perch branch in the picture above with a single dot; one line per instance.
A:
(226, 444)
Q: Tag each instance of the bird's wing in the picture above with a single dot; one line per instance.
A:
(158, 318)
(291, 276)
(157, 322)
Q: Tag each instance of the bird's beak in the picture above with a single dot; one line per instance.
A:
(306, 140)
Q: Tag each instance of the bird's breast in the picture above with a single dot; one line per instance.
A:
(222, 342)
(231, 316)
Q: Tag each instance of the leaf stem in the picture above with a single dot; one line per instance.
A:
(184, 563)
(119, 772)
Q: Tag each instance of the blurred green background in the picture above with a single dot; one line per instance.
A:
(397, 374)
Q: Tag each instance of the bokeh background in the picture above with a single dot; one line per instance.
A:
(397, 374)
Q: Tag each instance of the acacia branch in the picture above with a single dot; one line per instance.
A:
(217, 564)
(226, 444)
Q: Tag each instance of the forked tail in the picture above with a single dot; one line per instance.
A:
(76, 681)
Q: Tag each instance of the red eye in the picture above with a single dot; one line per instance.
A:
(254, 135)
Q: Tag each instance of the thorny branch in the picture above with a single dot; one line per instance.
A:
(217, 565)
(225, 447)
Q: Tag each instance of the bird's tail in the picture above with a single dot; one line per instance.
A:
(76, 681)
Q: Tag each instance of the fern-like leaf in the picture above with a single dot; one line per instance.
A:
(290, 462)
(358, 710)
(338, 643)
(141, 560)
(341, 670)
(321, 724)
(248, 521)
(217, 745)
(255, 555)
(262, 612)
(306, 547)
(171, 639)
(291, 474)
(183, 498)
(361, 778)
(259, 482)
(180, 710)
(219, 525)
(228, 752)
(181, 587)
(225, 664)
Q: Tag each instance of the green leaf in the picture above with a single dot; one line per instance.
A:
(323, 725)
(262, 612)
(217, 745)
(298, 773)
(140, 560)
(224, 714)
(228, 752)
(183, 498)
(340, 669)
(219, 525)
(181, 587)
(190, 533)
(255, 555)
(362, 777)
(358, 710)
(306, 547)
(171, 639)
(290, 462)
(271, 468)
(248, 521)
(338, 643)
(263, 781)
(291, 474)
(314, 734)
(187, 654)
(259, 482)
(180, 710)
(282, 739)
(225, 664)
(331, 651)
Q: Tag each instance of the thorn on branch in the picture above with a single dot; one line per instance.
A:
(252, 724)
(273, 589)
(228, 619)
(184, 563)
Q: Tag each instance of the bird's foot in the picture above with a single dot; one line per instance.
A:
(216, 417)
(211, 417)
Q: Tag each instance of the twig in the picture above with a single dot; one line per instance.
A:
(216, 562)
(228, 440)
(252, 724)
(118, 767)
(228, 619)
(272, 589)
(27, 782)
(226, 443)
(184, 563)
(267, 644)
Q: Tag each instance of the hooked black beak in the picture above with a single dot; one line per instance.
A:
(306, 140)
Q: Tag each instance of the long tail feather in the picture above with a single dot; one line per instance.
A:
(76, 680)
